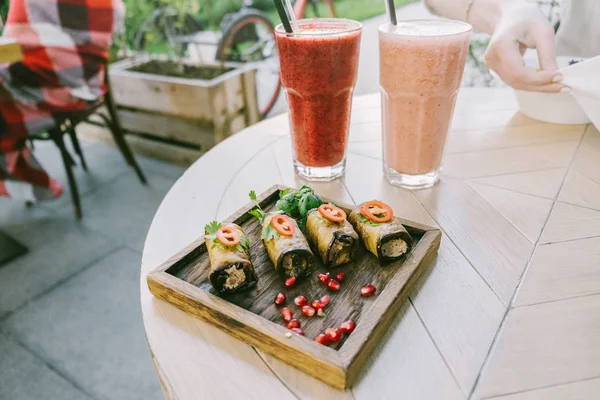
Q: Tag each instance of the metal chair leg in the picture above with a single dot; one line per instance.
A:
(69, 158)
(119, 136)
(76, 146)
(56, 135)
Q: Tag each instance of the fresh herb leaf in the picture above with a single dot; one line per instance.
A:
(363, 219)
(284, 192)
(244, 242)
(302, 224)
(268, 232)
(298, 203)
(252, 195)
(321, 218)
(288, 205)
(308, 202)
(304, 190)
(258, 211)
(211, 230)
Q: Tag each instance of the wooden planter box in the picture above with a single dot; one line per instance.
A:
(191, 113)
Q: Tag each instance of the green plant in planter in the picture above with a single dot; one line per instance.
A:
(151, 25)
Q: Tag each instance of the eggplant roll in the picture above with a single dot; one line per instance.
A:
(336, 242)
(230, 267)
(291, 255)
(388, 241)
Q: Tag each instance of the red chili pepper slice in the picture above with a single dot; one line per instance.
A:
(283, 225)
(228, 235)
(377, 211)
(332, 213)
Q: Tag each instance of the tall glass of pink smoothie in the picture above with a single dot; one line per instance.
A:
(319, 66)
(421, 64)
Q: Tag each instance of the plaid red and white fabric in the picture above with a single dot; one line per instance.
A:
(65, 45)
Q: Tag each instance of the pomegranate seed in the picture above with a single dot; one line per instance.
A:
(300, 301)
(321, 313)
(333, 334)
(289, 282)
(298, 331)
(322, 339)
(316, 304)
(347, 327)
(324, 278)
(339, 276)
(333, 285)
(308, 311)
(293, 324)
(325, 300)
(368, 290)
(286, 313)
(280, 298)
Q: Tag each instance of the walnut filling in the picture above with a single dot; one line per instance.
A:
(235, 277)
(340, 253)
(294, 264)
(394, 248)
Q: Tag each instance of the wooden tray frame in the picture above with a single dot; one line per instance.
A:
(338, 368)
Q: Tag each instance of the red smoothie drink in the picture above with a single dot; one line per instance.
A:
(319, 66)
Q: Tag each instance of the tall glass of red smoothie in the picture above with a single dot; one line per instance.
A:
(421, 64)
(319, 66)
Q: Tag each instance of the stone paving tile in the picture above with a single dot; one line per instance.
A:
(166, 169)
(25, 377)
(91, 331)
(105, 163)
(148, 164)
(15, 213)
(123, 209)
(58, 248)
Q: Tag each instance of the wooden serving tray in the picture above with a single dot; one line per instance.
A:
(253, 317)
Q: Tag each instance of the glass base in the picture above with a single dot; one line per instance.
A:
(320, 174)
(410, 181)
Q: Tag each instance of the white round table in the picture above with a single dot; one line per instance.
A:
(497, 313)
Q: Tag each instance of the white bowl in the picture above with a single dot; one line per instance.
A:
(557, 108)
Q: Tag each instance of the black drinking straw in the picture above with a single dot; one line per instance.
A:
(392, 12)
(283, 16)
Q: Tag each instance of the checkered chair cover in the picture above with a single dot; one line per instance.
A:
(65, 45)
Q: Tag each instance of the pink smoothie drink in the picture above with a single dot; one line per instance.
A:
(420, 67)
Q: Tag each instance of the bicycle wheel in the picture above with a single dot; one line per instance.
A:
(250, 38)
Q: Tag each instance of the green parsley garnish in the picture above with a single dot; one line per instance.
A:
(297, 203)
(211, 230)
(363, 219)
(244, 242)
(258, 211)
(268, 232)
(284, 192)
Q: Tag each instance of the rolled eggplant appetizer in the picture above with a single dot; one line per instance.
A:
(286, 245)
(328, 231)
(229, 252)
(381, 232)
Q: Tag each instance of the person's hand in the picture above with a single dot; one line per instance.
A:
(522, 25)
